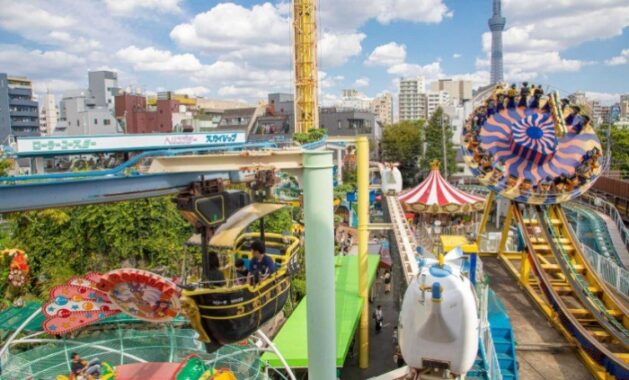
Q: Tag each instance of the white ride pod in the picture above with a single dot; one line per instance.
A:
(391, 180)
(438, 325)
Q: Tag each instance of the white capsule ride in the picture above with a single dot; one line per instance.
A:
(438, 326)
(391, 180)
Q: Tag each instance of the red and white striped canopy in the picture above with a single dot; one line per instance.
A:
(435, 195)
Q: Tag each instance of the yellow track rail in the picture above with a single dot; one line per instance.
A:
(555, 288)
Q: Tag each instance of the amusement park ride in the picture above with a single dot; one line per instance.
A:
(528, 147)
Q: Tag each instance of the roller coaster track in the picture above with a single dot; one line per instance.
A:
(579, 304)
(406, 244)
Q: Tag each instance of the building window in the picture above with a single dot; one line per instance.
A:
(95, 121)
(340, 124)
(78, 123)
(106, 121)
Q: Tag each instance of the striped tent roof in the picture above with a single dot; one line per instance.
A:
(435, 195)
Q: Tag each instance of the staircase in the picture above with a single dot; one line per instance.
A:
(502, 335)
(479, 369)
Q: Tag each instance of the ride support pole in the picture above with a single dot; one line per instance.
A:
(319, 230)
(483, 223)
(362, 167)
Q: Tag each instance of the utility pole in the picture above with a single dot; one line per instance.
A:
(443, 141)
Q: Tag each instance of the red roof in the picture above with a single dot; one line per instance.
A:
(435, 193)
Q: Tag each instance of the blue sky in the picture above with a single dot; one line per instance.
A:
(241, 49)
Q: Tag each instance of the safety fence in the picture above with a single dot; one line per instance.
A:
(611, 211)
(487, 342)
(608, 270)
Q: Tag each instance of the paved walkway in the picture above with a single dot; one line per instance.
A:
(380, 345)
(530, 328)
(617, 241)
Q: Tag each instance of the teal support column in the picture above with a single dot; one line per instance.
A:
(319, 230)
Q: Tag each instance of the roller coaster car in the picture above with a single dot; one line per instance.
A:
(229, 311)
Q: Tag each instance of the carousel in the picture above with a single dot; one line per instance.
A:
(439, 208)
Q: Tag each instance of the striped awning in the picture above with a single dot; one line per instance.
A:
(435, 195)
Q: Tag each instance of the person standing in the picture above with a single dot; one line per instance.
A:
(387, 282)
(379, 318)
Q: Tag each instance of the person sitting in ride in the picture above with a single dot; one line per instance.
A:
(261, 265)
(81, 369)
(512, 92)
(241, 272)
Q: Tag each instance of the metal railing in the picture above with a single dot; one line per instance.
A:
(493, 365)
(611, 211)
(608, 270)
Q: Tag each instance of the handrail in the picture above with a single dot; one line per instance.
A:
(118, 170)
(610, 272)
(610, 210)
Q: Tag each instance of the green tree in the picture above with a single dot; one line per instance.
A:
(279, 222)
(434, 142)
(5, 165)
(65, 242)
(311, 136)
(402, 142)
(620, 146)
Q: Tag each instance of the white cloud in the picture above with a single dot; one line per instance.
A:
(621, 59)
(456, 55)
(352, 14)
(16, 59)
(387, 55)
(361, 82)
(337, 49)
(430, 71)
(24, 17)
(127, 7)
(539, 30)
(55, 85)
(151, 59)
(327, 81)
(229, 26)
(605, 98)
(193, 91)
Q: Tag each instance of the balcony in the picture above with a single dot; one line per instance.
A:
(22, 102)
(20, 91)
(25, 124)
(28, 113)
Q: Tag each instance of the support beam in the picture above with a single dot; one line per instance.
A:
(505, 230)
(319, 229)
(483, 223)
(362, 166)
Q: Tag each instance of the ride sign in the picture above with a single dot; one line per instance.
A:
(38, 146)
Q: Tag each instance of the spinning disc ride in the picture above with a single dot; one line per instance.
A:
(539, 151)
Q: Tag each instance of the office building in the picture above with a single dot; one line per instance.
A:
(79, 115)
(354, 100)
(103, 87)
(19, 112)
(382, 107)
(435, 100)
(412, 99)
(135, 116)
(459, 90)
(624, 107)
(48, 115)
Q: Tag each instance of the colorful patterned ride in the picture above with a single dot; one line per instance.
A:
(532, 148)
